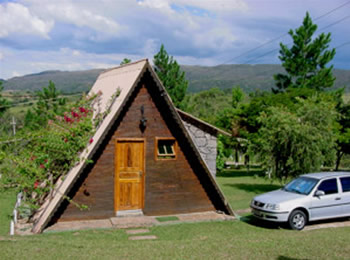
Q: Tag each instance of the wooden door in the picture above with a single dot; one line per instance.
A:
(129, 174)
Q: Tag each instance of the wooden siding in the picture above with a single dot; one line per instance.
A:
(171, 186)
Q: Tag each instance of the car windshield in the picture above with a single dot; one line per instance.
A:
(302, 185)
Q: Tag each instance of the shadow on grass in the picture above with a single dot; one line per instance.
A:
(328, 221)
(281, 257)
(239, 173)
(254, 188)
(249, 219)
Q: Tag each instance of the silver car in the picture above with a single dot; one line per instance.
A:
(310, 197)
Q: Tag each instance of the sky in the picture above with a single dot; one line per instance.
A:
(40, 35)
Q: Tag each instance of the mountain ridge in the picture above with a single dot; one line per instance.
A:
(249, 77)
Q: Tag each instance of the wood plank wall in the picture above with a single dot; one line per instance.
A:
(171, 186)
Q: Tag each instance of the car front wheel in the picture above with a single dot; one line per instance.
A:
(297, 220)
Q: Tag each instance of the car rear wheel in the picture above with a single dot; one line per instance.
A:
(297, 220)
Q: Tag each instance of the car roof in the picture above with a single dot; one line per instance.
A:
(322, 175)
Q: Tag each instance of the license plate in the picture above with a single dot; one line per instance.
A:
(257, 213)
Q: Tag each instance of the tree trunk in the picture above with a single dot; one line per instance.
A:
(337, 163)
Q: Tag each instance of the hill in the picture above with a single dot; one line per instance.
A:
(248, 77)
(66, 81)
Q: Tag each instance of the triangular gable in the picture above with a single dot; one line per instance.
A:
(124, 78)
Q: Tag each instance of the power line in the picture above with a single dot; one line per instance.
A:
(323, 28)
(331, 11)
(336, 22)
(33, 96)
(342, 45)
(52, 100)
(282, 35)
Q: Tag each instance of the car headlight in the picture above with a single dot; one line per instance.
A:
(273, 206)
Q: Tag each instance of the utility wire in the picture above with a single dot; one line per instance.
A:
(51, 100)
(33, 96)
(323, 28)
(282, 35)
(331, 11)
(342, 45)
(336, 22)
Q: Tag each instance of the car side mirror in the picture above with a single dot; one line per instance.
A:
(319, 193)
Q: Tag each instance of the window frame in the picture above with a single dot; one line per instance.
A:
(157, 156)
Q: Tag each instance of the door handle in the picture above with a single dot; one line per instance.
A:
(337, 198)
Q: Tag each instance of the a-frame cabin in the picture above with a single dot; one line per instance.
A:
(144, 160)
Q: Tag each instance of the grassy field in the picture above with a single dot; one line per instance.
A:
(246, 239)
(240, 187)
(7, 203)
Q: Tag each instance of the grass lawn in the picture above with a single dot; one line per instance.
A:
(7, 203)
(240, 186)
(222, 240)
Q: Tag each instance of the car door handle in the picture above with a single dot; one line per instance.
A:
(337, 198)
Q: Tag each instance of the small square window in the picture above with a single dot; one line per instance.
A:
(165, 149)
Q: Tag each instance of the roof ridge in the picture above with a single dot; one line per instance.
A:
(124, 65)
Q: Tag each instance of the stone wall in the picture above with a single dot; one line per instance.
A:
(206, 145)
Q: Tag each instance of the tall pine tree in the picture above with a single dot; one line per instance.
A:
(305, 62)
(173, 78)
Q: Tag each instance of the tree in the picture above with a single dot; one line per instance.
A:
(291, 143)
(173, 78)
(237, 96)
(305, 62)
(49, 105)
(231, 120)
(343, 129)
(262, 101)
(207, 104)
(125, 61)
(3, 102)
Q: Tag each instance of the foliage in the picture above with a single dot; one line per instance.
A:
(237, 96)
(230, 120)
(207, 104)
(172, 77)
(34, 160)
(343, 130)
(220, 157)
(305, 62)
(49, 105)
(262, 101)
(292, 142)
(3, 102)
(125, 61)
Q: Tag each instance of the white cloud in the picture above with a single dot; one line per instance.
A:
(161, 5)
(215, 5)
(150, 47)
(219, 38)
(24, 62)
(15, 74)
(17, 19)
(90, 14)
(76, 53)
(89, 34)
(72, 14)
